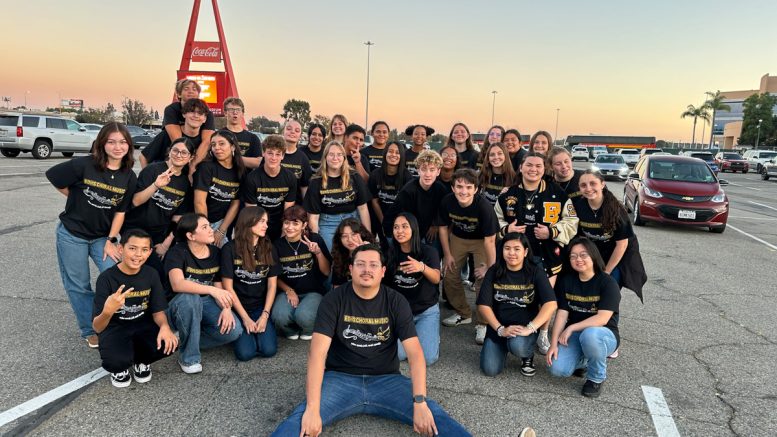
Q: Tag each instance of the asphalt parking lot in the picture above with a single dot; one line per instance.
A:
(706, 336)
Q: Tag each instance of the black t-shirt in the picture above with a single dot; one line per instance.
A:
(448, 185)
(222, 185)
(298, 164)
(516, 297)
(364, 333)
(419, 292)
(374, 157)
(590, 225)
(493, 188)
(95, 196)
(423, 204)
(385, 188)
(146, 298)
(410, 157)
(250, 287)
(300, 269)
(156, 150)
(572, 186)
(363, 159)
(474, 222)
(206, 271)
(314, 158)
(154, 216)
(174, 115)
(517, 158)
(584, 299)
(468, 159)
(270, 192)
(333, 199)
(250, 145)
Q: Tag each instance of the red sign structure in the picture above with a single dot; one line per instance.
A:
(216, 85)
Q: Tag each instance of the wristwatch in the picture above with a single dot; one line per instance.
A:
(419, 399)
(115, 240)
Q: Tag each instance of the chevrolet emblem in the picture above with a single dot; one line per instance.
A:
(687, 198)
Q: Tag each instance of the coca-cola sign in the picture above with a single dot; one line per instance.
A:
(206, 51)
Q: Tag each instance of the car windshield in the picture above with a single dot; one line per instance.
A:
(768, 155)
(609, 159)
(681, 171)
(629, 152)
(703, 156)
(732, 156)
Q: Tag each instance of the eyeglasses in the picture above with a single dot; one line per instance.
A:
(182, 153)
(495, 134)
(367, 266)
(335, 155)
(448, 155)
(233, 110)
(583, 256)
(117, 142)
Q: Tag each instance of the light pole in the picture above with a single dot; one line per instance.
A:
(555, 135)
(493, 106)
(367, 104)
(758, 137)
(25, 100)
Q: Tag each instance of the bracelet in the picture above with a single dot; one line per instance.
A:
(499, 330)
(423, 269)
(266, 312)
(531, 326)
(220, 232)
(156, 186)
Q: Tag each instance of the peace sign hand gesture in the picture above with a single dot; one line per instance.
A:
(116, 300)
(312, 245)
(164, 178)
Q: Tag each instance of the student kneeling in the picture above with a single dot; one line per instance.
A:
(129, 314)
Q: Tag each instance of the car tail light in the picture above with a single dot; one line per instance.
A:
(19, 131)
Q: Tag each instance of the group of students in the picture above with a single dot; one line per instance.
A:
(228, 240)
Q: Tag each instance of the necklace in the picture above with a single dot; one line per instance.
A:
(299, 243)
(566, 185)
(530, 199)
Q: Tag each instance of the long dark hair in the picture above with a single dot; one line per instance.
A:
(261, 254)
(468, 143)
(189, 146)
(613, 211)
(98, 147)
(186, 224)
(340, 254)
(401, 167)
(458, 160)
(297, 212)
(487, 171)
(592, 250)
(395, 251)
(237, 159)
(486, 142)
(500, 269)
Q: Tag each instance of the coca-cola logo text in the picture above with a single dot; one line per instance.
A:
(206, 52)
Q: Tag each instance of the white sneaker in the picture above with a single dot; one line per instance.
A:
(191, 368)
(614, 354)
(456, 320)
(305, 337)
(480, 334)
(543, 342)
(293, 337)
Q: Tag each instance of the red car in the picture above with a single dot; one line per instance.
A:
(731, 161)
(677, 190)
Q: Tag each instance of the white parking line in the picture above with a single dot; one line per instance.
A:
(765, 243)
(33, 404)
(761, 204)
(744, 186)
(659, 411)
(747, 218)
(18, 174)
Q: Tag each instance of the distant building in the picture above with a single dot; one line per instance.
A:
(727, 125)
(612, 141)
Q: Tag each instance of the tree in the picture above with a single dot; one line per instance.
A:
(262, 123)
(94, 115)
(134, 112)
(715, 103)
(298, 110)
(759, 107)
(323, 120)
(696, 113)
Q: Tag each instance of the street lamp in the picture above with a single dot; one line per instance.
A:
(555, 135)
(25, 100)
(493, 106)
(367, 104)
(758, 137)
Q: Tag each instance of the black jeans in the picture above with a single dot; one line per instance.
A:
(127, 344)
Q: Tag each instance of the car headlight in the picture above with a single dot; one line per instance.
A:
(652, 193)
(624, 169)
(720, 197)
(594, 168)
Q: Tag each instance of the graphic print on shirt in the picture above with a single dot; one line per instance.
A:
(268, 197)
(132, 312)
(223, 191)
(101, 195)
(295, 168)
(464, 223)
(366, 331)
(191, 271)
(251, 278)
(519, 295)
(402, 280)
(338, 196)
(168, 203)
(297, 266)
(583, 304)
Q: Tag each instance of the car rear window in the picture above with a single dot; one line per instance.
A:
(30, 121)
(768, 155)
(8, 120)
(629, 152)
(732, 156)
(703, 156)
(610, 159)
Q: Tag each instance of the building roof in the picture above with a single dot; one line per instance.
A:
(609, 139)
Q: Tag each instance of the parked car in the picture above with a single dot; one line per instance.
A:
(580, 152)
(139, 141)
(597, 150)
(650, 151)
(756, 158)
(135, 130)
(92, 129)
(677, 190)
(41, 135)
(704, 156)
(368, 140)
(631, 156)
(769, 169)
(732, 162)
(611, 165)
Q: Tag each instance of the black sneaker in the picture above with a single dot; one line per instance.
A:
(591, 389)
(121, 379)
(579, 372)
(141, 373)
(527, 367)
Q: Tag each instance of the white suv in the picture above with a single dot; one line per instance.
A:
(631, 156)
(41, 135)
(580, 152)
(757, 158)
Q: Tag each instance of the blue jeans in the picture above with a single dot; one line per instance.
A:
(290, 320)
(494, 353)
(215, 226)
(427, 325)
(73, 255)
(616, 274)
(587, 348)
(251, 345)
(328, 223)
(196, 318)
(388, 396)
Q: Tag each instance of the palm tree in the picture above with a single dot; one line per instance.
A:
(696, 113)
(715, 102)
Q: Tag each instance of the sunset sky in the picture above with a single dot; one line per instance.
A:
(612, 67)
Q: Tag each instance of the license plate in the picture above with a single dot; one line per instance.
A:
(685, 214)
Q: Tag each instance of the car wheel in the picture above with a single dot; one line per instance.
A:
(41, 149)
(10, 153)
(67, 154)
(759, 168)
(764, 174)
(718, 229)
(636, 218)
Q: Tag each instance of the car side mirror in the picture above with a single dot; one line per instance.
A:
(634, 175)
(82, 129)
(722, 182)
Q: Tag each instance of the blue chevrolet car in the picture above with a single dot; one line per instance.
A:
(707, 157)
